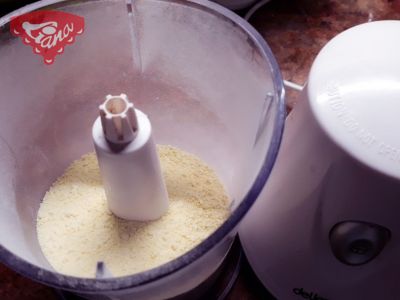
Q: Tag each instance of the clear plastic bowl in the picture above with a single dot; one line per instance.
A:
(209, 84)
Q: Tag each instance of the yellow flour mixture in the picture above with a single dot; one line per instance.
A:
(76, 229)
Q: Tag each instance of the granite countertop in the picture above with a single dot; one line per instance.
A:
(296, 30)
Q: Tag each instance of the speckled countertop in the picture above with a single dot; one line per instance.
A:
(296, 30)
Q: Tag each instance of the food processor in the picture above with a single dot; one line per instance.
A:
(326, 224)
(204, 77)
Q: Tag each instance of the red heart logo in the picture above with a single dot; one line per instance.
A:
(47, 31)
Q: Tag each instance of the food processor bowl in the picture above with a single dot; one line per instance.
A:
(208, 83)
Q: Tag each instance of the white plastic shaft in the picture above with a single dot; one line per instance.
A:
(128, 161)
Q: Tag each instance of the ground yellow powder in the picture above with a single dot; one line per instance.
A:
(76, 229)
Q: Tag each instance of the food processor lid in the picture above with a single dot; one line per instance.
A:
(354, 93)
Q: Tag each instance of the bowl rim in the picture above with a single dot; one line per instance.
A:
(93, 285)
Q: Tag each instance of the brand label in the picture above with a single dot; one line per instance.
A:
(307, 295)
(47, 32)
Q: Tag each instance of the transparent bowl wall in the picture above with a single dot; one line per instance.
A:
(208, 83)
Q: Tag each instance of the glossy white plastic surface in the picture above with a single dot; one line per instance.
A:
(334, 166)
(132, 178)
(354, 89)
